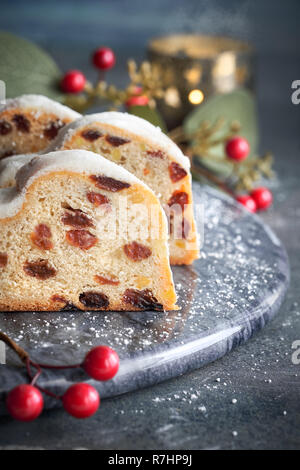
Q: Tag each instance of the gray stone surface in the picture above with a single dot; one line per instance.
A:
(227, 295)
(260, 374)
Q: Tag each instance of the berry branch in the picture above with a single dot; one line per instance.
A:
(245, 172)
(25, 402)
(23, 355)
(145, 87)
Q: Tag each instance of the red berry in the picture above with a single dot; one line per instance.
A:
(81, 400)
(101, 363)
(248, 202)
(73, 82)
(237, 148)
(141, 100)
(263, 197)
(104, 58)
(24, 402)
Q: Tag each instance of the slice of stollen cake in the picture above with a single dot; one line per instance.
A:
(29, 123)
(78, 230)
(149, 154)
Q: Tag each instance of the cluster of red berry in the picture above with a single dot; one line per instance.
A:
(74, 81)
(237, 149)
(81, 400)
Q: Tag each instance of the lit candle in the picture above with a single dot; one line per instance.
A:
(194, 67)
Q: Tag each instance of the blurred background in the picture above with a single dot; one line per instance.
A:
(70, 30)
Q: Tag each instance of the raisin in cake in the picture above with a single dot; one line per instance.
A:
(9, 167)
(77, 234)
(149, 154)
(28, 123)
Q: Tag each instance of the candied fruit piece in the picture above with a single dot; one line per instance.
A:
(41, 243)
(5, 127)
(116, 155)
(91, 134)
(76, 218)
(137, 197)
(116, 141)
(22, 123)
(53, 128)
(156, 154)
(94, 299)
(43, 231)
(109, 184)
(107, 279)
(141, 299)
(40, 269)
(180, 198)
(97, 199)
(136, 251)
(3, 260)
(143, 281)
(81, 239)
(176, 172)
(41, 237)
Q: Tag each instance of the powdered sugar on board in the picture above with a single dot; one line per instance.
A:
(225, 296)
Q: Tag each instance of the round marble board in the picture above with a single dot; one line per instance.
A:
(235, 287)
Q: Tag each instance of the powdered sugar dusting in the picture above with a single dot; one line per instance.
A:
(39, 104)
(77, 161)
(221, 296)
(127, 122)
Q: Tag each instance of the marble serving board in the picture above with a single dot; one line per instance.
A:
(229, 293)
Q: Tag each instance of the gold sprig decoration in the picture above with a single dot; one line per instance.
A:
(148, 77)
(144, 88)
(202, 145)
(246, 175)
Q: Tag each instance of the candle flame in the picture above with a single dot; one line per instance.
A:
(196, 96)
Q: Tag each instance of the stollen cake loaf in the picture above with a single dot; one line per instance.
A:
(149, 154)
(28, 123)
(75, 232)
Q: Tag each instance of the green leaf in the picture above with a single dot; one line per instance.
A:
(26, 68)
(151, 115)
(236, 106)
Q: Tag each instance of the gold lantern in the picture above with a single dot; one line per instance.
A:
(193, 67)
